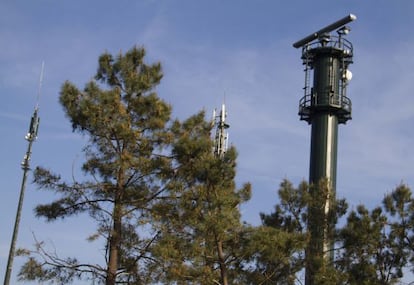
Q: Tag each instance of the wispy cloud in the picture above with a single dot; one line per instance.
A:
(377, 144)
(13, 116)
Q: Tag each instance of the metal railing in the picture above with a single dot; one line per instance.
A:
(334, 100)
(332, 41)
(339, 104)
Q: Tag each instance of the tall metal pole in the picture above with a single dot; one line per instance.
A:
(30, 137)
(324, 106)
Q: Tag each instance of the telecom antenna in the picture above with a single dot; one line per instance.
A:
(30, 137)
(326, 58)
(222, 136)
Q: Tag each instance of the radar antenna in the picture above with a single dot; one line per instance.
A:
(327, 29)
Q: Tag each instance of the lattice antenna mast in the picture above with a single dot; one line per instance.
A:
(222, 136)
(30, 137)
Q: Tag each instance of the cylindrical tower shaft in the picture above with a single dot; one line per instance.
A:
(327, 108)
(323, 153)
(324, 106)
(324, 121)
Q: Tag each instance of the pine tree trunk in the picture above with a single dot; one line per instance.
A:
(114, 243)
(116, 238)
(222, 261)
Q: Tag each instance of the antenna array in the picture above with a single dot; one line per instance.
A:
(221, 137)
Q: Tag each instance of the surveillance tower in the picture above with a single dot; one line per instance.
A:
(326, 58)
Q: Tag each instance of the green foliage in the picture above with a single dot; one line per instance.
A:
(302, 213)
(200, 224)
(291, 212)
(165, 206)
(125, 167)
(288, 225)
(365, 244)
(272, 255)
(168, 210)
(399, 204)
(377, 243)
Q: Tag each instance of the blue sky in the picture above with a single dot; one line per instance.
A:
(210, 50)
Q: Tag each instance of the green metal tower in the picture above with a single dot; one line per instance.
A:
(326, 58)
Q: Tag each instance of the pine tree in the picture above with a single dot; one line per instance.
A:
(377, 243)
(201, 226)
(279, 261)
(291, 220)
(125, 169)
(399, 205)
